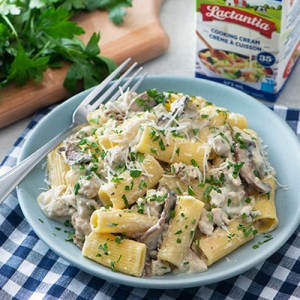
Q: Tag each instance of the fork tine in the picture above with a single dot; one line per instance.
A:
(107, 93)
(138, 83)
(91, 96)
(126, 84)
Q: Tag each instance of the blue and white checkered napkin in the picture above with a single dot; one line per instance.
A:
(30, 270)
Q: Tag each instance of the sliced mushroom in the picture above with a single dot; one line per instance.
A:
(142, 102)
(152, 235)
(74, 154)
(244, 154)
(178, 107)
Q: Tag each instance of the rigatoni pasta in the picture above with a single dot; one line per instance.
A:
(123, 191)
(172, 150)
(57, 168)
(161, 182)
(222, 242)
(267, 220)
(180, 233)
(119, 254)
(120, 221)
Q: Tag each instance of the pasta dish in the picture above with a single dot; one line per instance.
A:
(161, 182)
(236, 67)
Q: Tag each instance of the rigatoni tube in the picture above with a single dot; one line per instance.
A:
(119, 254)
(132, 184)
(120, 221)
(267, 220)
(223, 242)
(173, 149)
(179, 236)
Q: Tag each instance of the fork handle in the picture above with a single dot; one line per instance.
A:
(13, 177)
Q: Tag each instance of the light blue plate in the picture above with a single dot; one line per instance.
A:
(284, 155)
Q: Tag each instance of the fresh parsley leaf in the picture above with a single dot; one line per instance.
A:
(53, 22)
(39, 34)
(92, 48)
(23, 68)
(69, 5)
(85, 71)
(114, 7)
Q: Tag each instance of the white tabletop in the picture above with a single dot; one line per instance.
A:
(178, 19)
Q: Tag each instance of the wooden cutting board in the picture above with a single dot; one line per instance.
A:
(140, 37)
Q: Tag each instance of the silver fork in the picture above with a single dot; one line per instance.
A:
(13, 177)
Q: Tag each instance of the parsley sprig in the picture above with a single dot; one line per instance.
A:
(37, 35)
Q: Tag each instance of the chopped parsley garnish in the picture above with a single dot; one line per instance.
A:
(179, 190)
(143, 103)
(221, 134)
(70, 236)
(209, 217)
(140, 208)
(129, 188)
(153, 150)
(67, 223)
(119, 239)
(236, 168)
(175, 133)
(247, 230)
(116, 179)
(162, 145)
(76, 188)
(248, 200)
(267, 238)
(244, 216)
(194, 163)
(159, 198)
(113, 263)
(125, 201)
(209, 188)
(156, 96)
(104, 248)
(216, 181)
(206, 196)
(190, 191)
(103, 154)
(230, 236)
(135, 173)
(83, 141)
(195, 131)
(142, 185)
(240, 139)
(152, 133)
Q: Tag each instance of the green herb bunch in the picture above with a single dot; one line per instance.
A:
(39, 34)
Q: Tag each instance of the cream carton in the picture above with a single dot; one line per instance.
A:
(251, 45)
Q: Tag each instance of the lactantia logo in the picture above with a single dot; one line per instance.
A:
(238, 16)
